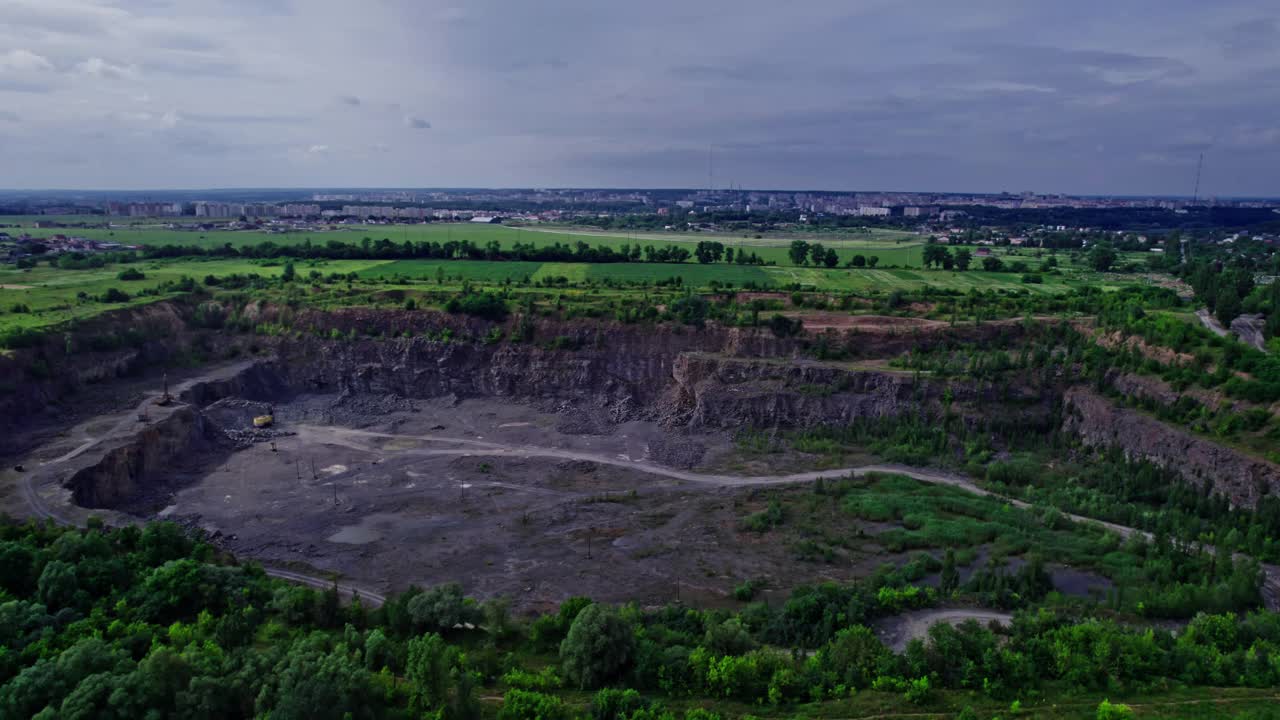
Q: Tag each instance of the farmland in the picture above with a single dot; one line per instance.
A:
(52, 296)
(892, 248)
(45, 296)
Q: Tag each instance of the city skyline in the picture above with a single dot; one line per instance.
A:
(833, 97)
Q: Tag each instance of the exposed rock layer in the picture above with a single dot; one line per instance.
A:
(713, 377)
(1099, 422)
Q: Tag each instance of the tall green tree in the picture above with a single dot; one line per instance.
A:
(798, 252)
(598, 648)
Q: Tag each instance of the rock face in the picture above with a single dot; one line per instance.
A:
(710, 378)
(124, 471)
(1099, 422)
(726, 392)
(1250, 330)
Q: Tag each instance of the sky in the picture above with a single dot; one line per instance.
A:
(1086, 97)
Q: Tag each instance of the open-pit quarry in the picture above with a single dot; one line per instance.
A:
(601, 464)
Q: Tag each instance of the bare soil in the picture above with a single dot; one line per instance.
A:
(491, 495)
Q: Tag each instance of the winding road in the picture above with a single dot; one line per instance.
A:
(367, 440)
(362, 440)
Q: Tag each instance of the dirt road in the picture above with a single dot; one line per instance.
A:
(126, 421)
(366, 440)
(1211, 322)
(438, 445)
(896, 632)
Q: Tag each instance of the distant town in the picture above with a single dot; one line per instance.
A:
(559, 204)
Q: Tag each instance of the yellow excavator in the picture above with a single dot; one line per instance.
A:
(265, 421)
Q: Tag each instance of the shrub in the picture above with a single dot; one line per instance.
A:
(525, 680)
(746, 592)
(783, 327)
(690, 310)
(1113, 711)
(114, 295)
(529, 705)
(485, 305)
(611, 704)
(131, 274)
(443, 608)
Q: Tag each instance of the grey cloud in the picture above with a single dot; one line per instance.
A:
(215, 118)
(194, 66)
(72, 17)
(1252, 37)
(988, 95)
(9, 116)
(21, 86)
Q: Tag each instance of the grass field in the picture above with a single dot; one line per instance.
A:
(51, 293)
(695, 275)
(892, 247)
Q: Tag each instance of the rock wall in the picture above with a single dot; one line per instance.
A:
(134, 466)
(47, 383)
(725, 392)
(1099, 422)
(622, 367)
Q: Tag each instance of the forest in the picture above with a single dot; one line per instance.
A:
(151, 622)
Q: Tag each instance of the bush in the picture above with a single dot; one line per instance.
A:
(485, 305)
(783, 327)
(610, 704)
(131, 274)
(443, 608)
(1114, 711)
(746, 592)
(114, 295)
(690, 310)
(547, 632)
(529, 705)
(598, 648)
(525, 680)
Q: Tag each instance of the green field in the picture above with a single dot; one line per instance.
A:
(54, 295)
(695, 275)
(51, 293)
(892, 247)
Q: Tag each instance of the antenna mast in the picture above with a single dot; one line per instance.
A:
(711, 169)
(1195, 197)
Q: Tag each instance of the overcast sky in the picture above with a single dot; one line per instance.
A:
(1087, 96)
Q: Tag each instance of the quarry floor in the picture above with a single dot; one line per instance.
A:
(509, 500)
